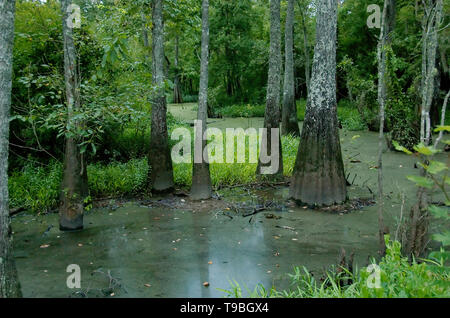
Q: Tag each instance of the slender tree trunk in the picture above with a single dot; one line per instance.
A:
(384, 41)
(318, 177)
(289, 113)
(417, 232)
(272, 114)
(305, 45)
(74, 188)
(177, 95)
(201, 179)
(430, 25)
(9, 281)
(160, 161)
(444, 109)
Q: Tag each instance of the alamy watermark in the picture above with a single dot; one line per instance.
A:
(374, 279)
(74, 279)
(374, 20)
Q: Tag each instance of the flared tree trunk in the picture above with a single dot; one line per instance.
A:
(318, 177)
(201, 180)
(9, 281)
(74, 188)
(272, 114)
(387, 26)
(289, 112)
(161, 171)
(177, 95)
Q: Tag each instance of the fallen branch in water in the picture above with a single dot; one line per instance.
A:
(16, 211)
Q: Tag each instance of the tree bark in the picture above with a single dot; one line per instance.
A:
(272, 113)
(417, 232)
(305, 45)
(387, 25)
(318, 177)
(289, 113)
(177, 95)
(201, 179)
(160, 161)
(9, 281)
(443, 111)
(74, 188)
(431, 21)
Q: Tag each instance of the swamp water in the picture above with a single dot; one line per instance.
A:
(149, 250)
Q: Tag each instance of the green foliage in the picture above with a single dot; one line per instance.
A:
(36, 188)
(109, 180)
(246, 111)
(398, 279)
(435, 176)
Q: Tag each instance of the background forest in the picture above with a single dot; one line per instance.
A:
(115, 69)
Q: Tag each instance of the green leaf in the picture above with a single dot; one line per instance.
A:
(421, 181)
(444, 238)
(439, 212)
(401, 148)
(435, 167)
(442, 128)
(424, 150)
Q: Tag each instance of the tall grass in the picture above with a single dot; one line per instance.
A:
(37, 188)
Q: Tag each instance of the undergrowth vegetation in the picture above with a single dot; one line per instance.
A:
(37, 188)
(393, 277)
(347, 113)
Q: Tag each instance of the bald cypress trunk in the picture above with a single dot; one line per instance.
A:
(272, 114)
(74, 189)
(289, 112)
(9, 281)
(201, 179)
(160, 161)
(318, 177)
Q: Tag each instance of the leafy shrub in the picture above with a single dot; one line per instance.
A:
(190, 98)
(245, 111)
(36, 188)
(349, 116)
(118, 179)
